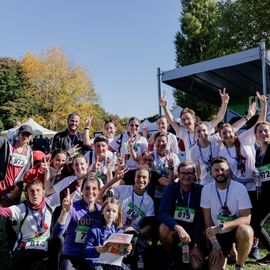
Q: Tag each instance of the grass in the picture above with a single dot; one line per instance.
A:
(5, 263)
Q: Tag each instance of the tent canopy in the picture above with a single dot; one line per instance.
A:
(240, 73)
(37, 129)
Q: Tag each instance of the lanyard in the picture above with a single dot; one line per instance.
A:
(183, 199)
(190, 144)
(39, 221)
(226, 197)
(210, 156)
(133, 200)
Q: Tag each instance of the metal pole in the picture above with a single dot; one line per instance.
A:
(262, 51)
(159, 89)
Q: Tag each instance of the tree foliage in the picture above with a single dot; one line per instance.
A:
(13, 104)
(211, 28)
(57, 88)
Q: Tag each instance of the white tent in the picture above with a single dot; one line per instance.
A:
(37, 129)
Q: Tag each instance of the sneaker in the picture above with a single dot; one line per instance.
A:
(265, 260)
(255, 253)
(239, 268)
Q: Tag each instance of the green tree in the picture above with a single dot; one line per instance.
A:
(211, 28)
(196, 41)
(13, 104)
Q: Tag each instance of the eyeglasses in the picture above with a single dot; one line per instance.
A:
(134, 125)
(186, 173)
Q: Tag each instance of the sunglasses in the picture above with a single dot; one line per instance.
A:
(134, 125)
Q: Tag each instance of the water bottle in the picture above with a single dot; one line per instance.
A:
(140, 264)
(215, 243)
(185, 253)
(258, 182)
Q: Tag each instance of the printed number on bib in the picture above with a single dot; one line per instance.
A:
(81, 234)
(184, 214)
(265, 172)
(134, 213)
(18, 160)
(37, 243)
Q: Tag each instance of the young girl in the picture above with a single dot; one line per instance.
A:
(57, 161)
(110, 222)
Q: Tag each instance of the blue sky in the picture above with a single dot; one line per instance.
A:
(119, 42)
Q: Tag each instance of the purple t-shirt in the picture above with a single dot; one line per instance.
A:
(78, 222)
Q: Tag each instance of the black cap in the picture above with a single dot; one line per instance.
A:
(101, 138)
(26, 128)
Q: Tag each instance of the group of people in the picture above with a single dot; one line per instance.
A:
(196, 212)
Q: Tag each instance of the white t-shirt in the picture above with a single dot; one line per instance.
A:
(247, 140)
(160, 163)
(140, 146)
(190, 138)
(134, 207)
(30, 224)
(202, 157)
(102, 172)
(237, 199)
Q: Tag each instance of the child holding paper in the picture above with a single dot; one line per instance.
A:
(111, 222)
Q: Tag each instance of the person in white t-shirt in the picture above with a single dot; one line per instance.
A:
(239, 151)
(99, 159)
(34, 217)
(137, 206)
(227, 213)
(187, 131)
(162, 125)
(130, 144)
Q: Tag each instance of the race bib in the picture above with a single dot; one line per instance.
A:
(81, 233)
(38, 243)
(223, 219)
(184, 214)
(264, 172)
(18, 160)
(134, 213)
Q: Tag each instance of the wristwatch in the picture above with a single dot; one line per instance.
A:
(221, 226)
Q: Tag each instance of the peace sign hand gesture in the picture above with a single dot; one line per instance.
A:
(224, 96)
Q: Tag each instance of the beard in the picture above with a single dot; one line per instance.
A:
(223, 180)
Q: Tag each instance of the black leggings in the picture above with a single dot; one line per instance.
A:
(260, 212)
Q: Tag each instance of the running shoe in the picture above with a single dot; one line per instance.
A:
(265, 260)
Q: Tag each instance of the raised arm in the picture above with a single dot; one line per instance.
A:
(174, 124)
(87, 126)
(263, 103)
(117, 177)
(251, 112)
(222, 110)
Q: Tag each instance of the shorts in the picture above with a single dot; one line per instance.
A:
(226, 241)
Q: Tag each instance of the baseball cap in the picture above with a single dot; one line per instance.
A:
(26, 128)
(101, 138)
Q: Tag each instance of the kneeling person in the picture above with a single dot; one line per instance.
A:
(181, 216)
(227, 212)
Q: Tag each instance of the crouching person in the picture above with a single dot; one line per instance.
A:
(227, 213)
(34, 220)
(181, 218)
